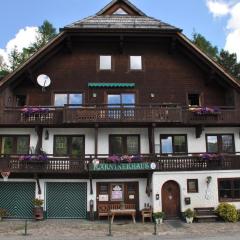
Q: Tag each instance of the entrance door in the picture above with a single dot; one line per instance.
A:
(171, 199)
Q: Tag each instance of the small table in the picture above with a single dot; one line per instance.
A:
(123, 212)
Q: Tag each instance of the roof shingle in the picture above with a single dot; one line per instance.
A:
(120, 22)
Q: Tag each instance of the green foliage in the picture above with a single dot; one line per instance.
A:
(158, 215)
(189, 213)
(227, 60)
(38, 202)
(45, 33)
(3, 212)
(201, 42)
(227, 212)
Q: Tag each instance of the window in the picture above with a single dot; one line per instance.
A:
(21, 100)
(173, 144)
(220, 143)
(69, 145)
(194, 100)
(105, 63)
(127, 99)
(120, 11)
(60, 99)
(192, 185)
(15, 144)
(136, 62)
(124, 144)
(229, 189)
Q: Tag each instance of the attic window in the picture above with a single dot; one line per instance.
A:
(194, 100)
(120, 11)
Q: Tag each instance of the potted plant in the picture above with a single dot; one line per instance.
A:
(189, 215)
(158, 217)
(3, 213)
(38, 209)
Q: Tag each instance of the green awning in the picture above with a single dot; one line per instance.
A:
(111, 85)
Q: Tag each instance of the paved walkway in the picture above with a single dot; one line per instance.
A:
(78, 229)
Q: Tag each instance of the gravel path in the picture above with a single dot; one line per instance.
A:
(78, 229)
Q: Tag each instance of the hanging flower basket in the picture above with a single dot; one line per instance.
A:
(203, 111)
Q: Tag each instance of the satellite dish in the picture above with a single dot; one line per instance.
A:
(44, 81)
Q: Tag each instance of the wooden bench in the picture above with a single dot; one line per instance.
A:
(105, 208)
(205, 214)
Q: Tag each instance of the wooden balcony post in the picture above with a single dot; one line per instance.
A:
(39, 131)
(96, 140)
(151, 139)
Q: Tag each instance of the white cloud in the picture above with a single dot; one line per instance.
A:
(232, 42)
(22, 39)
(218, 8)
(230, 8)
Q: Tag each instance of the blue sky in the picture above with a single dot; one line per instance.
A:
(186, 14)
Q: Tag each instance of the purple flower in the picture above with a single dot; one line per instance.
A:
(114, 159)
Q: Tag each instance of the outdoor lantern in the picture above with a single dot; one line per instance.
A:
(94, 95)
(152, 95)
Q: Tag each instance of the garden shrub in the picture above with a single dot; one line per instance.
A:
(227, 212)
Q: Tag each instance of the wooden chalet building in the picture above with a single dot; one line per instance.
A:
(132, 109)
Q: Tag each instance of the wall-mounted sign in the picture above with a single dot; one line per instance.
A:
(131, 197)
(117, 192)
(123, 166)
(103, 198)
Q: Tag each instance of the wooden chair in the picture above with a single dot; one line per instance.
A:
(146, 213)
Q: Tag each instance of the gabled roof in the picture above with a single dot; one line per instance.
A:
(126, 2)
(106, 19)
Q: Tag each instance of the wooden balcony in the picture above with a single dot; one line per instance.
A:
(39, 116)
(141, 114)
(73, 114)
(226, 116)
(143, 163)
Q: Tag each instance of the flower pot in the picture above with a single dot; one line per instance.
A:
(189, 219)
(38, 213)
(159, 220)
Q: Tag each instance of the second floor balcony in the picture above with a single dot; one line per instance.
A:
(141, 114)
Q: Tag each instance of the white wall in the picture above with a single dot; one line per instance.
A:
(206, 197)
(103, 138)
(21, 131)
(196, 144)
(47, 145)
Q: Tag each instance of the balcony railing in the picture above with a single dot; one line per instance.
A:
(75, 114)
(102, 163)
(124, 113)
(226, 115)
(31, 116)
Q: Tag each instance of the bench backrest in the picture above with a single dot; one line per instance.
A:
(204, 211)
(106, 207)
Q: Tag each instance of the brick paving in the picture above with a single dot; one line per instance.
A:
(79, 229)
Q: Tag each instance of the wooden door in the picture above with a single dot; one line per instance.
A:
(171, 199)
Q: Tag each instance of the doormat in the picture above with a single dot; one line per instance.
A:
(175, 223)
